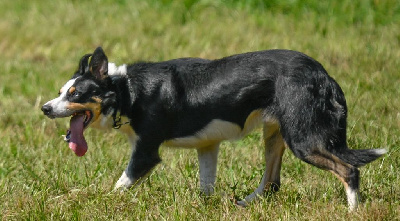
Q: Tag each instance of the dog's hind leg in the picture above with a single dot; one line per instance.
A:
(208, 157)
(274, 149)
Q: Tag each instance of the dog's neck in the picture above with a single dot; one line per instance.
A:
(120, 85)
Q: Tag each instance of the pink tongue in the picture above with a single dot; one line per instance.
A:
(77, 141)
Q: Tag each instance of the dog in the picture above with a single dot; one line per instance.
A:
(198, 103)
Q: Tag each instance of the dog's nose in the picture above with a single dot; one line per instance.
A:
(47, 109)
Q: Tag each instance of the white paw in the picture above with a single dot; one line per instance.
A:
(124, 182)
(207, 190)
(352, 198)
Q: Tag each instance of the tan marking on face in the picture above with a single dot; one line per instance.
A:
(94, 107)
(332, 163)
(97, 99)
(71, 90)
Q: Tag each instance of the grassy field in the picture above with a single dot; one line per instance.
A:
(41, 42)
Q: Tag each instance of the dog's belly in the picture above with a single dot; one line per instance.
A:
(216, 131)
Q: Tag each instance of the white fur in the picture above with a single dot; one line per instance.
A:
(381, 151)
(216, 131)
(117, 70)
(352, 198)
(208, 158)
(105, 122)
(60, 103)
(124, 182)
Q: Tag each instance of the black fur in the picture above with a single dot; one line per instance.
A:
(179, 98)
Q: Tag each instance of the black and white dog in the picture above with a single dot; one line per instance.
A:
(197, 103)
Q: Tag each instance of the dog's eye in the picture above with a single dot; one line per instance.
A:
(75, 94)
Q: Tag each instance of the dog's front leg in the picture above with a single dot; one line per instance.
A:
(144, 157)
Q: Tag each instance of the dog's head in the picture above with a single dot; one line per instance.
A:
(83, 98)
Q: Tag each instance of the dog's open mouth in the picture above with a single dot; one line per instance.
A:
(78, 123)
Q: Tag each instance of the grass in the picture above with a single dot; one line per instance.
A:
(42, 41)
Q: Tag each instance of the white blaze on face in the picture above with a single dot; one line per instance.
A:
(59, 104)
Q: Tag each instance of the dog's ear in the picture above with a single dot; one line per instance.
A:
(84, 64)
(98, 64)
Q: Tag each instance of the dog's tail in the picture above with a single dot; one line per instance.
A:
(359, 158)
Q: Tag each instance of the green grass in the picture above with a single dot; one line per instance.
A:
(42, 41)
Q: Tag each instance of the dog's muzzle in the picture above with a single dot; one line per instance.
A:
(47, 109)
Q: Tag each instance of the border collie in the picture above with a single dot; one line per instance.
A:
(198, 103)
